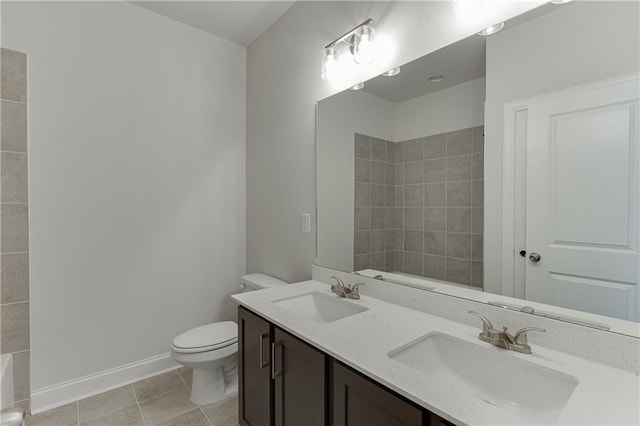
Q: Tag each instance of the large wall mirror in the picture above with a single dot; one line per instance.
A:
(503, 169)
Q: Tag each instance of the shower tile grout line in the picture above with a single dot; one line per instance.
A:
(12, 101)
(13, 152)
(16, 303)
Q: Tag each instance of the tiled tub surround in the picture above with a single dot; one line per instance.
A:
(14, 234)
(159, 400)
(377, 218)
(419, 205)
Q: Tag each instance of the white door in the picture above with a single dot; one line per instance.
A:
(582, 200)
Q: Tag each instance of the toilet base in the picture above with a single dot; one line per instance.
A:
(207, 386)
(211, 385)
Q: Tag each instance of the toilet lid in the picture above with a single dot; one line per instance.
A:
(207, 338)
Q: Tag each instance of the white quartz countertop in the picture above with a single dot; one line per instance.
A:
(604, 394)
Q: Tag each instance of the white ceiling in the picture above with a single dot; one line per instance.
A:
(458, 62)
(239, 21)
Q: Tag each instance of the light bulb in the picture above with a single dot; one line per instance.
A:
(363, 45)
(330, 67)
(492, 29)
(392, 72)
(358, 86)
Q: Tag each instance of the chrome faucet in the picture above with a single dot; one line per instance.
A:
(503, 339)
(348, 291)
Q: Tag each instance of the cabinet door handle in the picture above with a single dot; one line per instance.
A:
(263, 363)
(274, 374)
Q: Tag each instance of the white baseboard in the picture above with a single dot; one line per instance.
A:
(49, 397)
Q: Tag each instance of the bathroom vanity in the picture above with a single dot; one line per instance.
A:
(310, 357)
(295, 383)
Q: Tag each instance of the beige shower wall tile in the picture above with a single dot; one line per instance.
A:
(25, 404)
(21, 380)
(14, 277)
(478, 139)
(13, 177)
(13, 126)
(14, 327)
(459, 142)
(459, 270)
(477, 271)
(14, 76)
(14, 228)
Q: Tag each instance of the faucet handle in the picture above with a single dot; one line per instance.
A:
(486, 324)
(520, 338)
(354, 289)
(338, 280)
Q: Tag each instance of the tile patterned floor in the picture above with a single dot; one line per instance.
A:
(161, 400)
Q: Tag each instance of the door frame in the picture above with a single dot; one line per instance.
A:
(514, 163)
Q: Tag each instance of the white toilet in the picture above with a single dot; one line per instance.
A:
(210, 350)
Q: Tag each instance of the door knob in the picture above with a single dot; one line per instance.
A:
(534, 257)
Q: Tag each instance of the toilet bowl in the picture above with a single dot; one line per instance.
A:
(211, 350)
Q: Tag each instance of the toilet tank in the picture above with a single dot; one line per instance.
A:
(258, 281)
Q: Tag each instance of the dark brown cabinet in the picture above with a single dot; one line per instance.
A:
(284, 381)
(359, 402)
(299, 382)
(281, 378)
(254, 377)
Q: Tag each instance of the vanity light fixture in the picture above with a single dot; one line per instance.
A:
(361, 45)
(363, 48)
(330, 67)
(357, 86)
(560, 1)
(436, 78)
(392, 72)
(492, 29)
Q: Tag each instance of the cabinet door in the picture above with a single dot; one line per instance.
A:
(359, 402)
(299, 376)
(254, 380)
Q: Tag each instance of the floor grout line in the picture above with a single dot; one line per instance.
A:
(144, 421)
(205, 415)
(183, 382)
(135, 396)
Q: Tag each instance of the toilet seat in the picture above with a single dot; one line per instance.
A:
(206, 338)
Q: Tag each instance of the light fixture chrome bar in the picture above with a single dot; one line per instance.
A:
(348, 33)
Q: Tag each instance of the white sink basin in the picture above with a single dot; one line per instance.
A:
(529, 392)
(320, 307)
